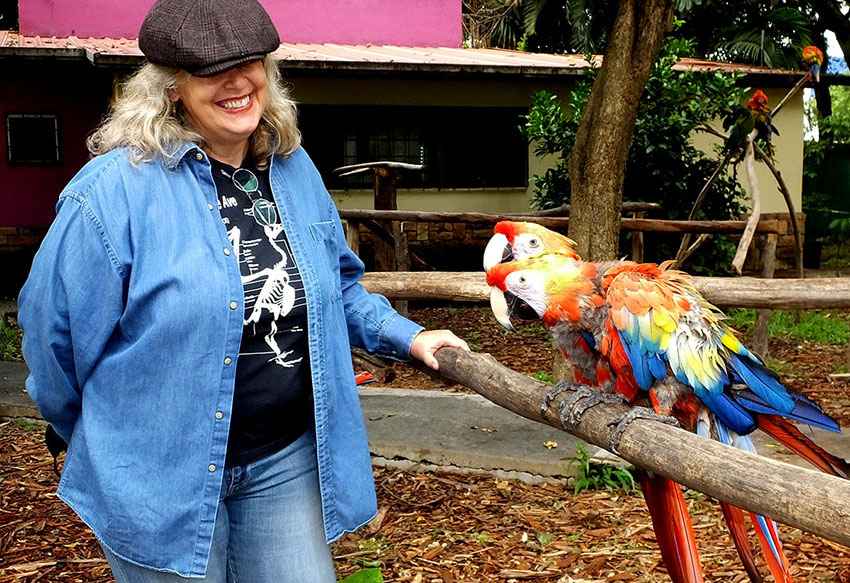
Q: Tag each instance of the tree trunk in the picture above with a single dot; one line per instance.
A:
(598, 159)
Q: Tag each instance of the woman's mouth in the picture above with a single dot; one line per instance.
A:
(236, 103)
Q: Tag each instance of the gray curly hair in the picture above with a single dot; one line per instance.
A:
(143, 118)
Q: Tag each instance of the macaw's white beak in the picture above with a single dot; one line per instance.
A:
(500, 308)
(497, 251)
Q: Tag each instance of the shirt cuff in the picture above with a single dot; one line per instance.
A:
(397, 336)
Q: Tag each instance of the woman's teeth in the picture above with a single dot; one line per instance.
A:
(236, 103)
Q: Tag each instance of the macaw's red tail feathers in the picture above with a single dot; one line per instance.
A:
(785, 433)
(673, 529)
(772, 548)
(734, 517)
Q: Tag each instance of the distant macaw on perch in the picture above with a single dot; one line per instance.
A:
(813, 58)
(742, 120)
(644, 333)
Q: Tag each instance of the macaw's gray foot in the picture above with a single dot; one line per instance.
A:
(580, 399)
(623, 421)
(575, 406)
(559, 388)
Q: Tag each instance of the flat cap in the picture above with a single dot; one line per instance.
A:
(207, 37)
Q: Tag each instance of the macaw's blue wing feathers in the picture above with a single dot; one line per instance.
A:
(647, 366)
(804, 411)
(730, 413)
(763, 383)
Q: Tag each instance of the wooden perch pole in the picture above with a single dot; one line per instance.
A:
(805, 499)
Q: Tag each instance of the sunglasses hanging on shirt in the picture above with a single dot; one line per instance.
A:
(264, 211)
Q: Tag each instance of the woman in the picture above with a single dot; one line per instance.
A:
(201, 232)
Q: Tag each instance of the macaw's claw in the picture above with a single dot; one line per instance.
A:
(580, 399)
(559, 388)
(623, 421)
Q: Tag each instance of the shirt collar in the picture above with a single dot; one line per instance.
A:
(172, 161)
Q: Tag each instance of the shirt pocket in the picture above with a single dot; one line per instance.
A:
(323, 235)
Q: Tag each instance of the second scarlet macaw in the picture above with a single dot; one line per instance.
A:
(813, 59)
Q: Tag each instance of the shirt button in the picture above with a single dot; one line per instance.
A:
(226, 251)
(233, 305)
(227, 360)
(209, 204)
(218, 415)
(212, 467)
(200, 156)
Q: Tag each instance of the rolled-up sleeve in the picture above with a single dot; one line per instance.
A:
(68, 309)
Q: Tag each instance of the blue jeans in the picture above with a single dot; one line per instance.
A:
(268, 528)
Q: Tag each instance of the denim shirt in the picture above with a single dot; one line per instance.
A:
(132, 318)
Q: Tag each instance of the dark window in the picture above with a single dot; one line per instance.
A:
(8, 14)
(460, 147)
(32, 138)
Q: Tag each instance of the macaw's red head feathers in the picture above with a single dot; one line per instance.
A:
(758, 102)
(517, 240)
(812, 54)
(549, 287)
(813, 58)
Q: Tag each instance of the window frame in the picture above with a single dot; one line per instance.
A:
(55, 146)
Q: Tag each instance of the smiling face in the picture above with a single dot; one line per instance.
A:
(226, 108)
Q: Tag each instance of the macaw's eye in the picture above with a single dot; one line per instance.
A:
(522, 279)
(534, 242)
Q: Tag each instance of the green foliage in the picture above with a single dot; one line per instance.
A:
(821, 202)
(820, 326)
(750, 31)
(593, 476)
(364, 576)
(10, 342)
(663, 165)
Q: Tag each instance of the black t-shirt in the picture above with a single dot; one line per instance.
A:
(272, 403)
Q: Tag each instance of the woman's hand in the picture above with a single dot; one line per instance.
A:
(428, 342)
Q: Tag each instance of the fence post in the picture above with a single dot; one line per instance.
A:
(760, 332)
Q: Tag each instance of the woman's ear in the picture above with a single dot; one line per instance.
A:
(173, 96)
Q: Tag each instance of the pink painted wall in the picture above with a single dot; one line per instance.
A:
(392, 22)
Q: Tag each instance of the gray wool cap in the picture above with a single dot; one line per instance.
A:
(207, 37)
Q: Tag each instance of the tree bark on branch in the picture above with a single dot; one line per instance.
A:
(597, 161)
(805, 499)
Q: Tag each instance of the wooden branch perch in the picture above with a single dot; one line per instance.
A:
(805, 499)
(723, 292)
(755, 197)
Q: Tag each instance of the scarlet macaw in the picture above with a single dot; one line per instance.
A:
(813, 58)
(650, 330)
(742, 120)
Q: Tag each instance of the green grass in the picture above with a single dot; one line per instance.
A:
(821, 326)
(593, 476)
(543, 376)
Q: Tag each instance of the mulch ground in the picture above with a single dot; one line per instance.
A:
(441, 527)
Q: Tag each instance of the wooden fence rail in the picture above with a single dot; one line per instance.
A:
(724, 292)
(627, 223)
